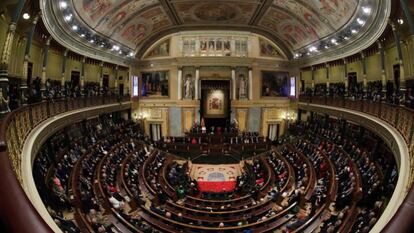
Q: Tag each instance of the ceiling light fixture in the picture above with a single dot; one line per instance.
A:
(313, 49)
(26, 16)
(353, 31)
(360, 21)
(75, 28)
(63, 4)
(68, 17)
(366, 10)
(400, 21)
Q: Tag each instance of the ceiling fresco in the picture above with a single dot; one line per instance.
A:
(127, 22)
(293, 24)
(301, 22)
(211, 12)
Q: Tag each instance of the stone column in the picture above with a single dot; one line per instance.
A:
(116, 80)
(364, 71)
(346, 76)
(128, 84)
(179, 83)
(313, 79)
(327, 79)
(234, 85)
(250, 84)
(44, 66)
(5, 55)
(101, 77)
(197, 84)
(383, 73)
(65, 58)
(82, 77)
(400, 57)
(24, 86)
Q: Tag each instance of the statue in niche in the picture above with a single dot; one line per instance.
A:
(242, 87)
(188, 87)
(4, 103)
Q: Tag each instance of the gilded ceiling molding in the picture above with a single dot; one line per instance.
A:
(63, 37)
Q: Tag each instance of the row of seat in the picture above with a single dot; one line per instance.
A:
(113, 181)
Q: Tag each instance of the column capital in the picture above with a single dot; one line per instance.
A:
(379, 43)
(65, 54)
(35, 20)
(392, 24)
(12, 27)
(49, 39)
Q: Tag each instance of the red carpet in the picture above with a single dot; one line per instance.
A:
(216, 186)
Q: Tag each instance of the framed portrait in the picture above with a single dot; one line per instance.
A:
(275, 84)
(155, 84)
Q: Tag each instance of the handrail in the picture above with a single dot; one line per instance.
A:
(402, 119)
(14, 128)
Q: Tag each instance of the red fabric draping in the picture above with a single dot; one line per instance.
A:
(216, 186)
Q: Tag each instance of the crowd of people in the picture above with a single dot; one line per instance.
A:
(86, 146)
(241, 138)
(366, 171)
(331, 168)
(52, 90)
(373, 91)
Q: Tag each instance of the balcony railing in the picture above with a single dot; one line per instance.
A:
(16, 125)
(400, 117)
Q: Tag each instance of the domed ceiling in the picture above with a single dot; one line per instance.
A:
(132, 25)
